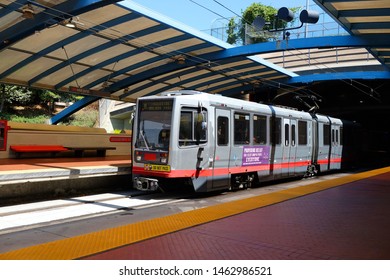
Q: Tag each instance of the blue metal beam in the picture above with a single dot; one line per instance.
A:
(364, 13)
(73, 108)
(363, 41)
(366, 75)
(370, 25)
(307, 79)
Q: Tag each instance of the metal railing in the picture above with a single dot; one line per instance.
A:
(325, 27)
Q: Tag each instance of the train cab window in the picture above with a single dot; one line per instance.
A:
(326, 133)
(276, 130)
(259, 129)
(241, 129)
(223, 131)
(302, 133)
(189, 120)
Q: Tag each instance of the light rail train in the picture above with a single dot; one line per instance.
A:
(211, 142)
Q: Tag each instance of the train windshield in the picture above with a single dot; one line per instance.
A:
(154, 124)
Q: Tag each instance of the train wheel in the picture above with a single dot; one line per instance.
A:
(312, 170)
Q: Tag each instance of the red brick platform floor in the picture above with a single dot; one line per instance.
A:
(351, 221)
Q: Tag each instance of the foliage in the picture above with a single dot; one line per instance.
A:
(39, 119)
(237, 30)
(84, 118)
(11, 95)
(231, 32)
(26, 105)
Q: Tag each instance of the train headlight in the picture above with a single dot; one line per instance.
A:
(138, 156)
(164, 158)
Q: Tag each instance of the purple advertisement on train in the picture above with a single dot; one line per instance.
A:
(255, 155)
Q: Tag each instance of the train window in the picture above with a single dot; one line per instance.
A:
(337, 136)
(293, 135)
(276, 130)
(200, 119)
(259, 129)
(326, 134)
(333, 140)
(223, 131)
(341, 136)
(302, 133)
(241, 129)
(286, 134)
(188, 125)
(185, 132)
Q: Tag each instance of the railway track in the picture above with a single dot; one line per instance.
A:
(36, 223)
(33, 215)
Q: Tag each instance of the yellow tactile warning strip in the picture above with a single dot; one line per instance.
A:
(92, 243)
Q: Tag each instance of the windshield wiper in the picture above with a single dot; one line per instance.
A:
(144, 139)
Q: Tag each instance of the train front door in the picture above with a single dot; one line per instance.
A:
(290, 147)
(222, 145)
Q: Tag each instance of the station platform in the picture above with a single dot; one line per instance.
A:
(337, 219)
(24, 178)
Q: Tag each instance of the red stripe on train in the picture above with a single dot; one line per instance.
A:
(224, 171)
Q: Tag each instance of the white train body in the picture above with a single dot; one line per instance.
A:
(213, 142)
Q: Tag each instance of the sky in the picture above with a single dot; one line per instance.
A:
(190, 13)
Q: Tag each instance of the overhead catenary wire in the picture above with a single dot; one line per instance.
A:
(196, 3)
(124, 38)
(70, 65)
(230, 10)
(344, 80)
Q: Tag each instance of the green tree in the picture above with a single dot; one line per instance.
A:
(232, 32)
(244, 29)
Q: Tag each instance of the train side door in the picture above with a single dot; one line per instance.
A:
(290, 147)
(293, 147)
(335, 158)
(221, 174)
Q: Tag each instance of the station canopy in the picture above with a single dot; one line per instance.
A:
(119, 51)
(122, 51)
(364, 18)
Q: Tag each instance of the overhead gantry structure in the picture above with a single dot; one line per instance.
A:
(122, 51)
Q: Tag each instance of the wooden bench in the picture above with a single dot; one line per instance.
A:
(53, 149)
(101, 151)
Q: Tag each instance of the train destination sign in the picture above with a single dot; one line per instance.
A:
(156, 105)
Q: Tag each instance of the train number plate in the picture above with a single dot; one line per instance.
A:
(157, 167)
